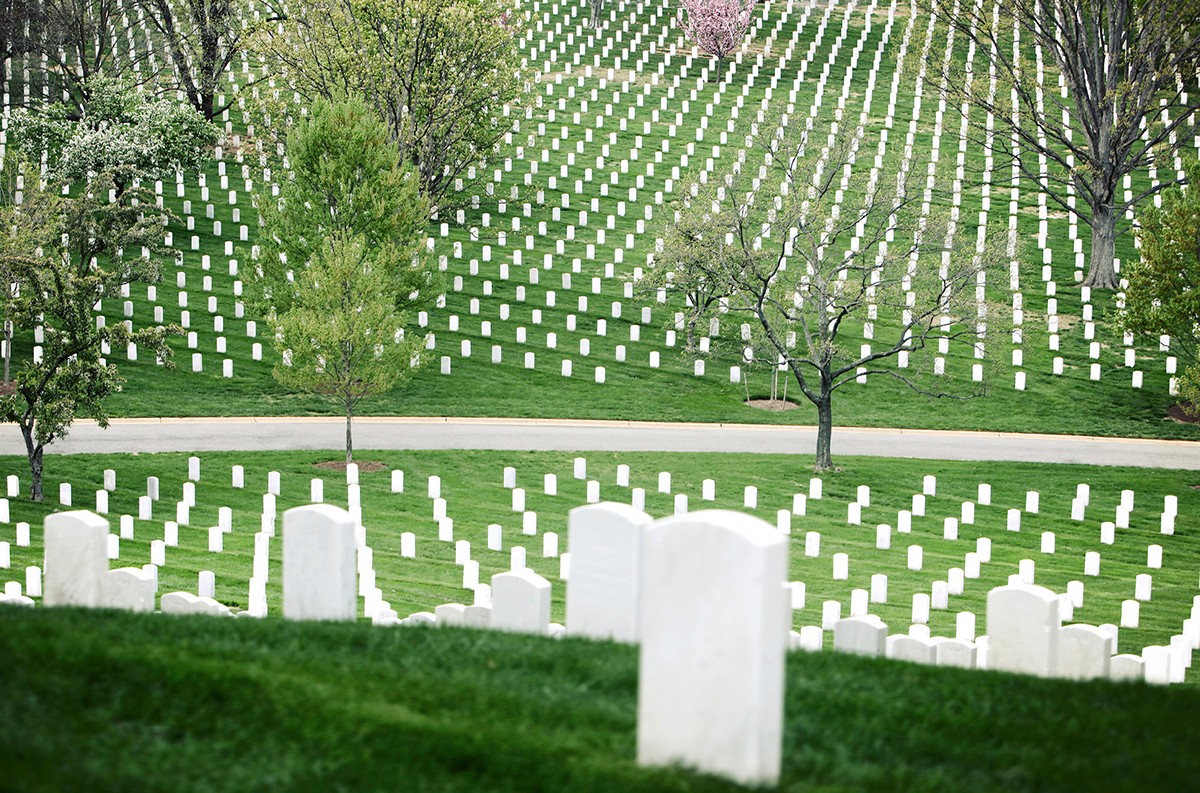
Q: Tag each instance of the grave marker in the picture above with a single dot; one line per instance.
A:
(520, 602)
(602, 600)
(865, 635)
(75, 558)
(1023, 626)
(319, 563)
(709, 580)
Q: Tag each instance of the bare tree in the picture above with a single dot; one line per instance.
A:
(85, 39)
(597, 7)
(202, 41)
(833, 251)
(1128, 72)
(22, 24)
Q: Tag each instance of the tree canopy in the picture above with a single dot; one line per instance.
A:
(341, 268)
(64, 255)
(1163, 295)
(120, 131)
(436, 72)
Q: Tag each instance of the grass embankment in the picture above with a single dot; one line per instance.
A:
(472, 484)
(107, 701)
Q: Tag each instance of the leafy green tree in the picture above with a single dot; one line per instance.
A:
(1163, 296)
(341, 265)
(343, 337)
(65, 255)
(436, 72)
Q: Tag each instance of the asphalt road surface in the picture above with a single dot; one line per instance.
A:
(253, 434)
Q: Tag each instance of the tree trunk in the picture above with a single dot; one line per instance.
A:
(824, 431)
(8, 337)
(208, 101)
(34, 452)
(1101, 274)
(349, 437)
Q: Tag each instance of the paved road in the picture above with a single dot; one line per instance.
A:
(214, 434)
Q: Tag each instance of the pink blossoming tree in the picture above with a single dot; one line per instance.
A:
(716, 26)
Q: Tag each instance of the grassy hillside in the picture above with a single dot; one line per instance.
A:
(104, 701)
(679, 118)
(472, 485)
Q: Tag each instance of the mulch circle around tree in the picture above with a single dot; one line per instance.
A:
(1180, 412)
(364, 467)
(771, 404)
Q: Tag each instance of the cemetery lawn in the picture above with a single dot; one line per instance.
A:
(1069, 405)
(111, 701)
(472, 484)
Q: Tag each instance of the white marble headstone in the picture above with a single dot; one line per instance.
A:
(1083, 652)
(714, 621)
(520, 602)
(76, 558)
(1023, 625)
(129, 588)
(319, 563)
(604, 541)
(866, 635)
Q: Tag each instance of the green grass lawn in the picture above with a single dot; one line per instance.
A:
(108, 701)
(477, 287)
(472, 484)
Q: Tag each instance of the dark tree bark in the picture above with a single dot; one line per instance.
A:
(22, 24)
(802, 307)
(34, 452)
(1129, 67)
(202, 42)
(825, 432)
(1102, 274)
(87, 38)
(349, 435)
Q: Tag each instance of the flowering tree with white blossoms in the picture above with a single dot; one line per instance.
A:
(121, 132)
(716, 26)
(63, 252)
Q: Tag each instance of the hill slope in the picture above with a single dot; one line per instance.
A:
(107, 701)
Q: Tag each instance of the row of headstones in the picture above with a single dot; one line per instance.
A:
(1075, 652)
(939, 600)
(550, 540)
(738, 59)
(550, 487)
(227, 367)
(938, 364)
(456, 250)
(601, 601)
(1021, 375)
(599, 375)
(703, 594)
